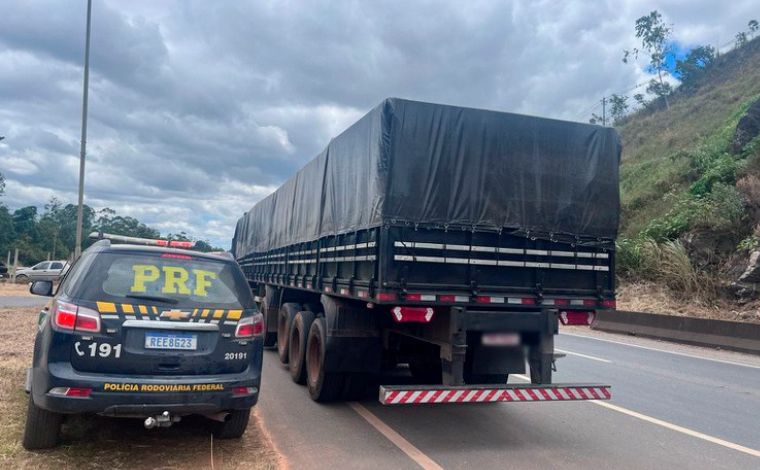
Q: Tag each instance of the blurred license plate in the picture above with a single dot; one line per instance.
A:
(184, 341)
(501, 339)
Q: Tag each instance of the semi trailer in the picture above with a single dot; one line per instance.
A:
(447, 240)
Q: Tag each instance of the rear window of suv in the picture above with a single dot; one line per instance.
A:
(174, 279)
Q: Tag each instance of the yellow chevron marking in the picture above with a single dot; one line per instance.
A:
(106, 307)
(205, 312)
(195, 312)
(218, 313)
(143, 310)
(155, 310)
(126, 308)
(234, 314)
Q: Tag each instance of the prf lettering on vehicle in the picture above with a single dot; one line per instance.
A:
(175, 279)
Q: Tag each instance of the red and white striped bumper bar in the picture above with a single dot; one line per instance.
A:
(439, 394)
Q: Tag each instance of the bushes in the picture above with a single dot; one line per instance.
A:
(722, 209)
(666, 263)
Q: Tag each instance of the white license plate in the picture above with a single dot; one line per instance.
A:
(183, 341)
(501, 339)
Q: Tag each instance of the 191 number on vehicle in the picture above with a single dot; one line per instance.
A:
(95, 349)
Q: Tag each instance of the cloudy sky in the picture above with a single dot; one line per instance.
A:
(200, 108)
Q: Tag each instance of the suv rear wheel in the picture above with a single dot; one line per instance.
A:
(233, 426)
(42, 427)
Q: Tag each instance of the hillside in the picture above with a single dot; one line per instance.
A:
(690, 197)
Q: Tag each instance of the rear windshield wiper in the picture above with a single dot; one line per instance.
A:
(155, 298)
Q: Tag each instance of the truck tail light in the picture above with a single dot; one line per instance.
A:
(412, 314)
(609, 303)
(243, 391)
(71, 317)
(576, 317)
(249, 327)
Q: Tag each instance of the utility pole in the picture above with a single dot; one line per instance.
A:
(83, 147)
(604, 111)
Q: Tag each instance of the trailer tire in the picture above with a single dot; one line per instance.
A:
(42, 427)
(323, 386)
(285, 318)
(298, 336)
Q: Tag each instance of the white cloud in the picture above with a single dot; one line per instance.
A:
(198, 109)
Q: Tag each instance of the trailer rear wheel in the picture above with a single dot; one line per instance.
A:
(299, 333)
(285, 318)
(323, 386)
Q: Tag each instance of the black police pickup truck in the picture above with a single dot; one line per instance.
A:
(151, 332)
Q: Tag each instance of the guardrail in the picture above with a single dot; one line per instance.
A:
(722, 334)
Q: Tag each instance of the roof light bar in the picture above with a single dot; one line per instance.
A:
(141, 241)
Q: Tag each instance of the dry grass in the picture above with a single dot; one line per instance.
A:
(8, 289)
(656, 298)
(93, 442)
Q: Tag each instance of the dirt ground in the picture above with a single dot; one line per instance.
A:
(94, 442)
(8, 289)
(653, 298)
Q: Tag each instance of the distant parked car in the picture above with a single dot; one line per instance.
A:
(44, 271)
(3, 270)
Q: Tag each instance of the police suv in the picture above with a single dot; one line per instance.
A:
(141, 328)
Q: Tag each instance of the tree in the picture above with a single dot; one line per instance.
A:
(695, 63)
(597, 119)
(2, 184)
(753, 27)
(618, 107)
(655, 40)
(640, 100)
(741, 39)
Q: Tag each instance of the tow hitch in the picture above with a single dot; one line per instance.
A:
(164, 420)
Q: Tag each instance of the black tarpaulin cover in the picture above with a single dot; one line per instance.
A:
(408, 162)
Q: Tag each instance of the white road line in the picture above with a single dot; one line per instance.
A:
(397, 439)
(593, 358)
(681, 429)
(693, 356)
(667, 425)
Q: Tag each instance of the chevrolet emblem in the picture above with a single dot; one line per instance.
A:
(175, 314)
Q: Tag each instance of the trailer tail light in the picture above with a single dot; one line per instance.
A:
(71, 317)
(420, 297)
(72, 392)
(453, 298)
(249, 327)
(609, 303)
(576, 317)
(412, 314)
(386, 296)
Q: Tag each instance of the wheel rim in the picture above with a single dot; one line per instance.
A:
(314, 355)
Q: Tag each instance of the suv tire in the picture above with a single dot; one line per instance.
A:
(42, 427)
(234, 425)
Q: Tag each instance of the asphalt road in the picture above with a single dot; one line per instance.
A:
(22, 301)
(673, 406)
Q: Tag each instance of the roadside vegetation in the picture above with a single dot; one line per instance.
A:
(690, 193)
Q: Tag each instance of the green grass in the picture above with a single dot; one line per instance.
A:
(673, 160)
